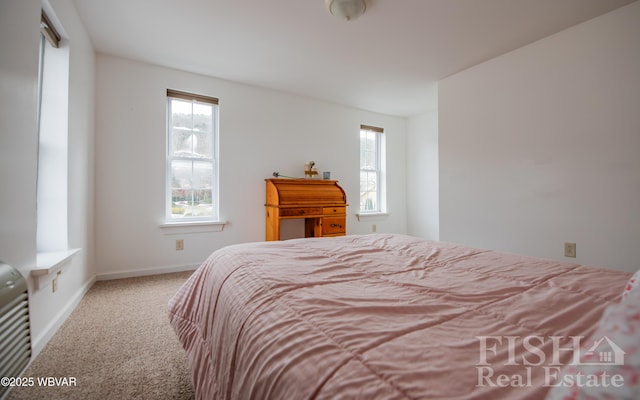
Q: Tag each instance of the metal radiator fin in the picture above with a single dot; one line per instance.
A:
(15, 336)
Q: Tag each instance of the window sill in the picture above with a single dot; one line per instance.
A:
(372, 216)
(49, 264)
(179, 227)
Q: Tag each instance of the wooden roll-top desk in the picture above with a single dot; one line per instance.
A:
(322, 203)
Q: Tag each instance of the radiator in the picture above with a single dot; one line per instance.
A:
(15, 338)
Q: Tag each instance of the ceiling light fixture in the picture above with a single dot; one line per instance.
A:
(346, 9)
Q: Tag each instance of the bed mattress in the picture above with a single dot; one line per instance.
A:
(383, 316)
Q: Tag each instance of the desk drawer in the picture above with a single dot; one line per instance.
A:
(334, 210)
(300, 212)
(333, 225)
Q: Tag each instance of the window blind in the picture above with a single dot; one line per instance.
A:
(371, 128)
(191, 96)
(49, 31)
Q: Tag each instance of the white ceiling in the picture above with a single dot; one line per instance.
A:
(386, 61)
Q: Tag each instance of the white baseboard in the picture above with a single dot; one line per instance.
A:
(145, 272)
(56, 322)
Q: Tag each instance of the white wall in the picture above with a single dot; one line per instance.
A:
(261, 131)
(19, 40)
(422, 173)
(540, 146)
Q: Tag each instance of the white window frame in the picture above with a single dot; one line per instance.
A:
(52, 223)
(194, 99)
(378, 171)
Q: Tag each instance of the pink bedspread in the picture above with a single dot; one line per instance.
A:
(384, 317)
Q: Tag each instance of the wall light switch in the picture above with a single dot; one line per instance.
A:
(570, 250)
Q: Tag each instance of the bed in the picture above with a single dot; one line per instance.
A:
(384, 316)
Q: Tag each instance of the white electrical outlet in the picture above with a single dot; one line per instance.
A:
(374, 228)
(570, 250)
(179, 244)
(54, 282)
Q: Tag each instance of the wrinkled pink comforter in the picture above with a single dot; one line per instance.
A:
(382, 317)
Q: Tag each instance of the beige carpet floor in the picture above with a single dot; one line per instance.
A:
(117, 344)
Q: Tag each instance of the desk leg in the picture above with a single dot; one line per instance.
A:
(272, 225)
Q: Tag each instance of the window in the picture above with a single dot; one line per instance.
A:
(52, 120)
(371, 169)
(192, 126)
